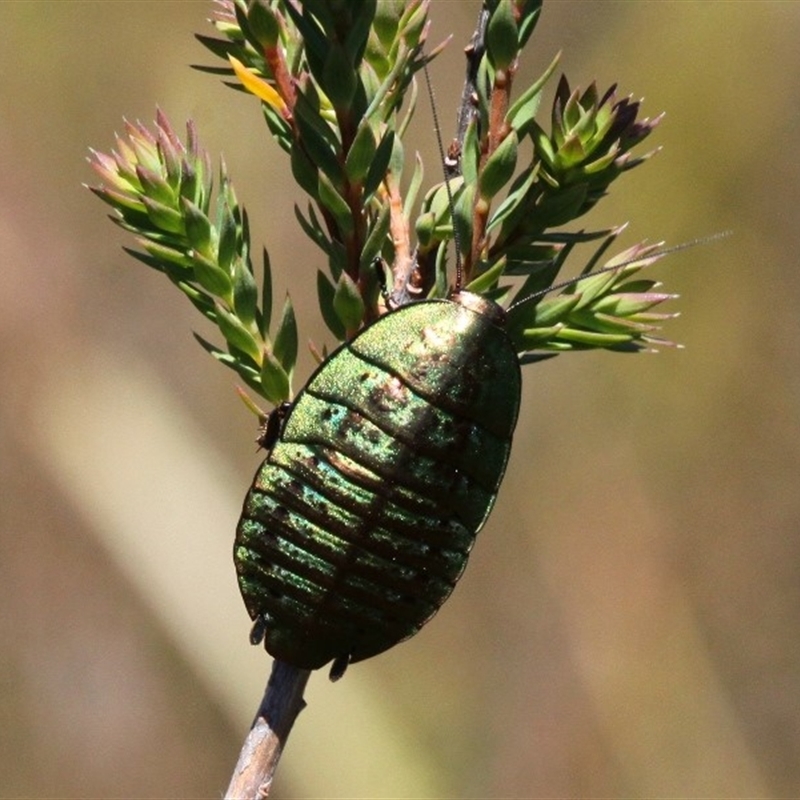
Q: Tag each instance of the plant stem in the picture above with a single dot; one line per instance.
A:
(466, 110)
(262, 749)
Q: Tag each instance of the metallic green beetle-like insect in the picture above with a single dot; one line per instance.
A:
(378, 477)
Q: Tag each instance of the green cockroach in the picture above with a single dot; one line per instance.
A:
(378, 478)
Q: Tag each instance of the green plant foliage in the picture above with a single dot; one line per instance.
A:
(336, 83)
(160, 190)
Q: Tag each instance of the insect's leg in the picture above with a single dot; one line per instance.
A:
(339, 666)
(270, 431)
(259, 629)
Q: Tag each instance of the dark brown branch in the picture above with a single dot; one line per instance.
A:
(466, 109)
(259, 756)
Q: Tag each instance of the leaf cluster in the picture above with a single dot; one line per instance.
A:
(337, 89)
(521, 184)
(161, 190)
(332, 77)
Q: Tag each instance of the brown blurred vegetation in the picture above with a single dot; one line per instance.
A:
(628, 624)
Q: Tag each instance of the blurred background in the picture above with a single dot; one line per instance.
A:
(629, 620)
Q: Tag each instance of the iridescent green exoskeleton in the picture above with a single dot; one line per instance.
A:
(360, 520)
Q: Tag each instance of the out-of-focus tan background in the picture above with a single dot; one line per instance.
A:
(629, 622)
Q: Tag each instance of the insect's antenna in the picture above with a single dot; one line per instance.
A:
(443, 161)
(642, 258)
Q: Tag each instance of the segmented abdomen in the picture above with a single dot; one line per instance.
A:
(360, 520)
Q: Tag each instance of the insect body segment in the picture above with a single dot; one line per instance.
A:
(360, 520)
